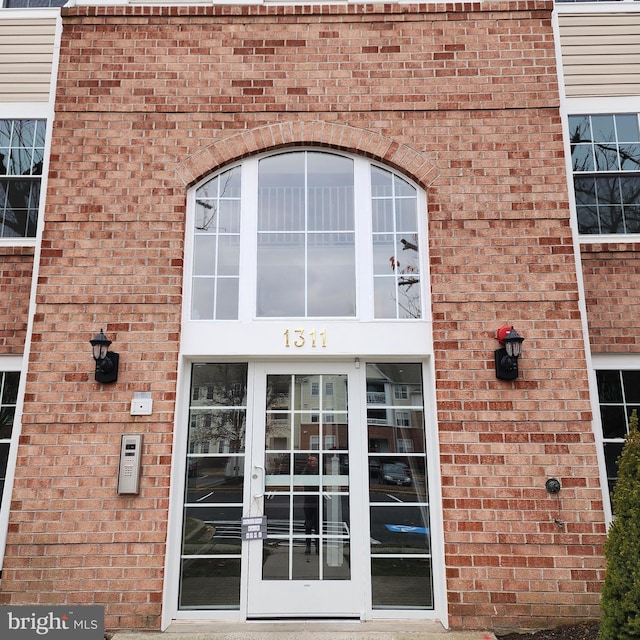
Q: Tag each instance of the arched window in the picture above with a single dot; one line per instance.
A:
(306, 234)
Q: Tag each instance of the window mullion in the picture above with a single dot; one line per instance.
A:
(248, 240)
(363, 239)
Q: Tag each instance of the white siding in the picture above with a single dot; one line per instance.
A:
(600, 53)
(26, 57)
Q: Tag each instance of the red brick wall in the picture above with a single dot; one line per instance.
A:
(611, 273)
(463, 99)
(16, 268)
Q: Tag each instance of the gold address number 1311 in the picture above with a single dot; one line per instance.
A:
(298, 338)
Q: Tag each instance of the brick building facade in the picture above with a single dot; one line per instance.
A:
(461, 101)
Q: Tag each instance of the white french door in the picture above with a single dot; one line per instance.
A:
(305, 479)
(333, 455)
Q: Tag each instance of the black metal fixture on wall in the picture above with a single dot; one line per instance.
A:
(106, 361)
(552, 485)
(507, 357)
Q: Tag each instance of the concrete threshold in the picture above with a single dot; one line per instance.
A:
(306, 630)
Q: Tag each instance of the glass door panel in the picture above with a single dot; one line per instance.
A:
(211, 549)
(399, 515)
(305, 565)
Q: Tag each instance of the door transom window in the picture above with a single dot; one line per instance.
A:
(306, 234)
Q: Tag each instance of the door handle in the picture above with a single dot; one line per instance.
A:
(254, 476)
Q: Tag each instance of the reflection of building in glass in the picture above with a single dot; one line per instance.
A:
(217, 419)
(309, 412)
(395, 418)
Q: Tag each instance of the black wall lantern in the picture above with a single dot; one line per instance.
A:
(507, 357)
(106, 361)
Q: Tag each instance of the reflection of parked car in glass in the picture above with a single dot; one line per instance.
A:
(395, 473)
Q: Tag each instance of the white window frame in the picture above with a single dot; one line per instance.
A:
(594, 106)
(28, 12)
(401, 392)
(594, 173)
(343, 335)
(607, 362)
(12, 364)
(8, 365)
(329, 442)
(31, 111)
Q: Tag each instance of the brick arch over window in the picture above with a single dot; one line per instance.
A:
(412, 163)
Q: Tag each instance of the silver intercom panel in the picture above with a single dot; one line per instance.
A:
(130, 456)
